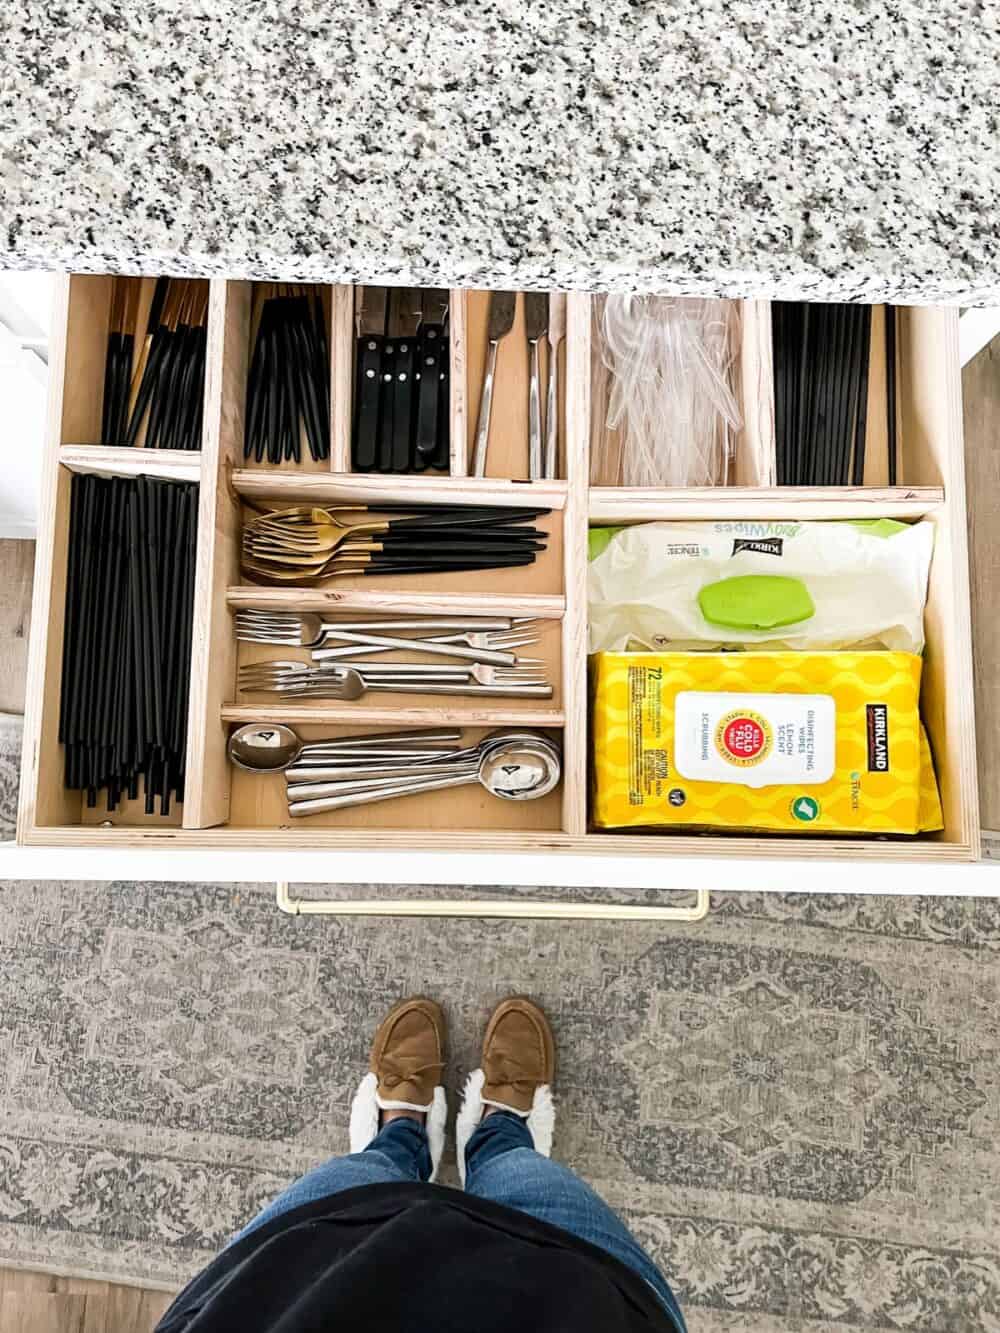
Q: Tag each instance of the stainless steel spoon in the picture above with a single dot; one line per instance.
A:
(512, 771)
(268, 747)
(321, 779)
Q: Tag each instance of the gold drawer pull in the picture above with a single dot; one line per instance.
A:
(486, 907)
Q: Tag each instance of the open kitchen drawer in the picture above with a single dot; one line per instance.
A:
(234, 825)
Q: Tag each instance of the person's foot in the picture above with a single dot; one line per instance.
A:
(404, 1078)
(518, 1066)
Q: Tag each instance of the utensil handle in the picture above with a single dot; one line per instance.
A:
(482, 691)
(306, 766)
(329, 767)
(402, 404)
(387, 398)
(316, 807)
(302, 781)
(469, 626)
(369, 360)
(485, 409)
(402, 781)
(428, 356)
(399, 670)
(534, 416)
(386, 739)
(552, 414)
(484, 655)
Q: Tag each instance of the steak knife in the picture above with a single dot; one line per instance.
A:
(368, 359)
(404, 320)
(431, 356)
(501, 320)
(557, 331)
(536, 323)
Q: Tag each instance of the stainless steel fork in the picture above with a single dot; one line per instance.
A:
(271, 676)
(486, 646)
(341, 683)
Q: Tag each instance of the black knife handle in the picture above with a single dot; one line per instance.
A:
(386, 405)
(366, 402)
(441, 458)
(402, 403)
(429, 356)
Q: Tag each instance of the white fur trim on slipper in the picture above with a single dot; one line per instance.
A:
(364, 1124)
(540, 1119)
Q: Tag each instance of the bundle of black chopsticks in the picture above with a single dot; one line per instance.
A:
(306, 543)
(821, 358)
(288, 388)
(164, 391)
(127, 644)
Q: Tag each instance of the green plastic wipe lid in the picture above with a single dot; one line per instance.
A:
(756, 601)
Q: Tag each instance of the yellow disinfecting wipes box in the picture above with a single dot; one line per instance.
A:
(815, 742)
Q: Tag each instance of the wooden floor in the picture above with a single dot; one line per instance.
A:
(36, 1303)
(17, 564)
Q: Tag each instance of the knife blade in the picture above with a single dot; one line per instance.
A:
(500, 322)
(557, 331)
(372, 302)
(536, 323)
(431, 353)
(404, 320)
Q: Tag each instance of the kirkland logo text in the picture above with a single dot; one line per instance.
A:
(878, 738)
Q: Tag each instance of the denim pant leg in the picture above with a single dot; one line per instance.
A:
(399, 1152)
(502, 1165)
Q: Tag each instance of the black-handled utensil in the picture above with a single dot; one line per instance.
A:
(432, 355)
(890, 388)
(441, 458)
(368, 392)
(403, 323)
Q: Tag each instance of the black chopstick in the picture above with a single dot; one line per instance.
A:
(821, 355)
(127, 644)
(890, 388)
(288, 384)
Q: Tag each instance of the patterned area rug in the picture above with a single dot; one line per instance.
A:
(796, 1103)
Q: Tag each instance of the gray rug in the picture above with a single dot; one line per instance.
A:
(795, 1103)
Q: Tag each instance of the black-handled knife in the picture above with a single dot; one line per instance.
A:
(404, 320)
(432, 353)
(441, 458)
(368, 388)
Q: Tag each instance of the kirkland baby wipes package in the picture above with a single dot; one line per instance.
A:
(793, 742)
(762, 585)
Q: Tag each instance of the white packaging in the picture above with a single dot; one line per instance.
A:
(868, 589)
(756, 740)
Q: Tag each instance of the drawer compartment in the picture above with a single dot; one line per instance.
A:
(228, 808)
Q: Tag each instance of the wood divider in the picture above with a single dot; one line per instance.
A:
(213, 655)
(43, 798)
(622, 504)
(575, 525)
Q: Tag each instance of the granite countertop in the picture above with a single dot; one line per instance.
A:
(846, 149)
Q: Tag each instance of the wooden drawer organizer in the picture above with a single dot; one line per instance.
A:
(225, 808)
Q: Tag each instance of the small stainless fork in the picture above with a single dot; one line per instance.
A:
(295, 675)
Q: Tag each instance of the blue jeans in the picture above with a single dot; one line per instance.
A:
(502, 1165)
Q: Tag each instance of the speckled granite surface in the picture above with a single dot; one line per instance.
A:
(847, 148)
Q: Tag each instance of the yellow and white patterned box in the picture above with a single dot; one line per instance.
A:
(673, 747)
